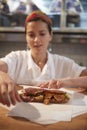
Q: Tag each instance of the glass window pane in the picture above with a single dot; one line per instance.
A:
(76, 13)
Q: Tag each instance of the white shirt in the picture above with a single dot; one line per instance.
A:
(23, 70)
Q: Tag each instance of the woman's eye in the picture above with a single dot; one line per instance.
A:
(42, 34)
(31, 35)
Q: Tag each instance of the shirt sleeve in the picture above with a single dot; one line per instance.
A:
(66, 67)
(73, 69)
(11, 60)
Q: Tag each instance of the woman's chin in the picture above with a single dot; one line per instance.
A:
(38, 50)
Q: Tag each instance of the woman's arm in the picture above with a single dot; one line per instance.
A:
(3, 67)
(73, 82)
(8, 92)
(67, 82)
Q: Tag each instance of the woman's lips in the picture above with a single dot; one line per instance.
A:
(38, 46)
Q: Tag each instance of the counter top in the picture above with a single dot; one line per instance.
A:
(9, 123)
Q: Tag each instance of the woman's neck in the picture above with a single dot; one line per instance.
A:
(40, 60)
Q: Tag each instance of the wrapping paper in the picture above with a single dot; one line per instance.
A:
(42, 114)
(52, 113)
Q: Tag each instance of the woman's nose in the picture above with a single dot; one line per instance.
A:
(37, 39)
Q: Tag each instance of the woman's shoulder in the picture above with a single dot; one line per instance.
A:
(18, 52)
(60, 58)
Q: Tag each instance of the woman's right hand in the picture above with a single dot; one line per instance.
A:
(8, 91)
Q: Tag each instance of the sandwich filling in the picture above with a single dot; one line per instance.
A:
(45, 96)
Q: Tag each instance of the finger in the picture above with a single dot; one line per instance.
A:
(52, 84)
(0, 95)
(39, 85)
(5, 99)
(59, 84)
(11, 92)
(44, 85)
(17, 96)
(4, 95)
(1, 99)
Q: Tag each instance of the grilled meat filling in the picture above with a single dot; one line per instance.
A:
(43, 96)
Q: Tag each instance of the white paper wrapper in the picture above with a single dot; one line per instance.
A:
(79, 104)
(52, 113)
(43, 114)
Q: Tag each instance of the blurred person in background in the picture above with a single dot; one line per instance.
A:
(31, 7)
(20, 14)
(4, 13)
(72, 6)
(21, 8)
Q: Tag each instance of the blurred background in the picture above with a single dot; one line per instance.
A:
(69, 18)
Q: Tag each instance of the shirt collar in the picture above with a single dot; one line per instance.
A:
(31, 63)
(48, 71)
(48, 66)
(30, 60)
(51, 65)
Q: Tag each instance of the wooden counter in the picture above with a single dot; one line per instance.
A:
(9, 123)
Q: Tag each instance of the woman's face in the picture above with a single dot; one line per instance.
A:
(38, 36)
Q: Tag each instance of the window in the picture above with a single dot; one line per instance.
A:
(64, 13)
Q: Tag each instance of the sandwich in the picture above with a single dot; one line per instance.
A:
(46, 96)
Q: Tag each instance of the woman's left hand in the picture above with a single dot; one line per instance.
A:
(52, 84)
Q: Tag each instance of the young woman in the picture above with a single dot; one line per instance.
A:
(36, 65)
